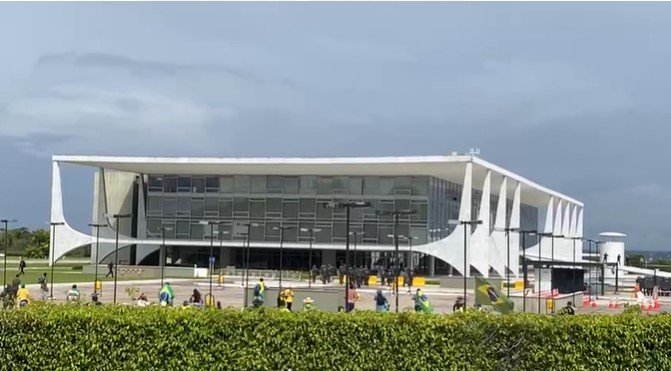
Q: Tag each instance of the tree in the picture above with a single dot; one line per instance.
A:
(38, 245)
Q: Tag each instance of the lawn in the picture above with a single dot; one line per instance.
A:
(63, 273)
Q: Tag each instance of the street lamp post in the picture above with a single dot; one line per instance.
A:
(525, 270)
(573, 266)
(97, 226)
(396, 214)
(508, 230)
(435, 236)
(589, 273)
(162, 254)
(465, 223)
(4, 272)
(348, 206)
(356, 235)
(540, 267)
(117, 217)
(53, 253)
(282, 229)
(312, 233)
(410, 266)
(210, 259)
(246, 258)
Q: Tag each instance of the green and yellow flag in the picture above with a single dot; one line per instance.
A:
(487, 294)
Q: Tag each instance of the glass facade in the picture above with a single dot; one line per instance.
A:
(181, 202)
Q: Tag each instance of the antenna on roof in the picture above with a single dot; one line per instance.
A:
(474, 151)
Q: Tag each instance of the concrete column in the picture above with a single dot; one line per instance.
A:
(432, 266)
(329, 257)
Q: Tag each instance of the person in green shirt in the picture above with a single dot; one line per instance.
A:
(166, 295)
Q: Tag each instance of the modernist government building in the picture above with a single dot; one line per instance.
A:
(173, 199)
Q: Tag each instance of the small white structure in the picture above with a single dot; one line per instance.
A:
(612, 247)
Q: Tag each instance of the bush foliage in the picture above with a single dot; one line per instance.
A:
(46, 337)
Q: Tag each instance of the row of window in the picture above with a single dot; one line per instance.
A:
(272, 208)
(262, 184)
(335, 232)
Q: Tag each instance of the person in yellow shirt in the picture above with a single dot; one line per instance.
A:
(22, 296)
(289, 298)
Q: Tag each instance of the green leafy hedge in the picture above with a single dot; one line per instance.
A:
(121, 338)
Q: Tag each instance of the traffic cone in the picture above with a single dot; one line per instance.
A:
(657, 306)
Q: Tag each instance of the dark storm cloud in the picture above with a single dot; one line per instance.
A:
(571, 95)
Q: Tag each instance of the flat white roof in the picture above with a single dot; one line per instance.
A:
(532, 193)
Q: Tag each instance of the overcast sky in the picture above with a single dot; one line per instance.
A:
(574, 96)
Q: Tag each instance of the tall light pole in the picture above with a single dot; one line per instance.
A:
(97, 226)
(210, 259)
(4, 272)
(465, 223)
(53, 253)
(162, 253)
(348, 206)
(282, 228)
(356, 238)
(508, 230)
(312, 232)
(248, 235)
(435, 236)
(410, 266)
(540, 266)
(118, 217)
(525, 270)
(396, 214)
(589, 273)
(573, 266)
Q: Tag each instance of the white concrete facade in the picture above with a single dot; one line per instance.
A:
(487, 246)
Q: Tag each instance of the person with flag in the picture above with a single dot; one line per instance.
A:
(487, 294)
(259, 294)
(422, 303)
(166, 295)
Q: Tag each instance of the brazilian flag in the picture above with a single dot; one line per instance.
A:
(487, 294)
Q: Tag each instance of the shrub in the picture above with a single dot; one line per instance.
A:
(115, 338)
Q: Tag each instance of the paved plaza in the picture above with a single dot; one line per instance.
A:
(231, 294)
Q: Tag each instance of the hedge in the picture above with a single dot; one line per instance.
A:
(122, 338)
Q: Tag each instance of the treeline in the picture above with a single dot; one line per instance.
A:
(33, 244)
(25, 242)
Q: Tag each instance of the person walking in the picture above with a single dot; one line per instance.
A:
(422, 304)
(22, 266)
(352, 297)
(110, 269)
(314, 273)
(22, 296)
(44, 290)
(381, 302)
(289, 298)
(259, 294)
